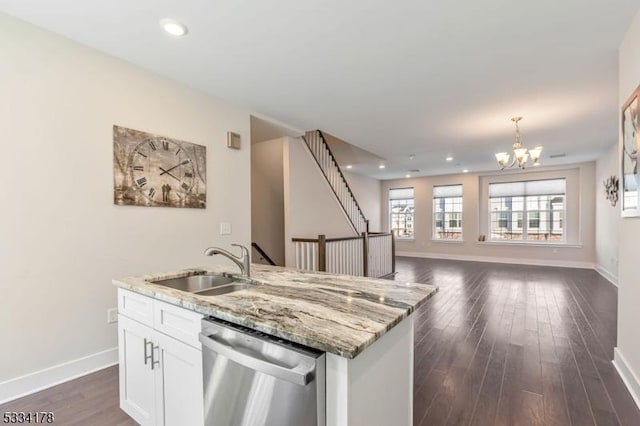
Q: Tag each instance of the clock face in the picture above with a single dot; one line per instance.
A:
(162, 171)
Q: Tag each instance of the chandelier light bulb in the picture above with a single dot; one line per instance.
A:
(520, 154)
(535, 154)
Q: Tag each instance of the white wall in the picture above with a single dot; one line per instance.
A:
(580, 247)
(267, 197)
(61, 238)
(369, 196)
(607, 216)
(311, 208)
(265, 129)
(628, 348)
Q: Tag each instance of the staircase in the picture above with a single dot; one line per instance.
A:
(320, 150)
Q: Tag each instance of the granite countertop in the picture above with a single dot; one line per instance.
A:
(339, 314)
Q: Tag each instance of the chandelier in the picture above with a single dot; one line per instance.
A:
(520, 154)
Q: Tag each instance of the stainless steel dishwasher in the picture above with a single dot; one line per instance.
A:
(253, 379)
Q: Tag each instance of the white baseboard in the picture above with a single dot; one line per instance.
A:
(43, 379)
(628, 376)
(606, 274)
(491, 259)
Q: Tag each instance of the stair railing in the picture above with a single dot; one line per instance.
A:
(325, 159)
(368, 255)
(263, 254)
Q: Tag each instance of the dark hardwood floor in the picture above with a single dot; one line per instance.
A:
(90, 400)
(515, 345)
(497, 345)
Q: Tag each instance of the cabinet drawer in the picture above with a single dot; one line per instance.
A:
(179, 323)
(135, 306)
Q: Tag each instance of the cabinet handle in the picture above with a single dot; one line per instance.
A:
(154, 361)
(148, 357)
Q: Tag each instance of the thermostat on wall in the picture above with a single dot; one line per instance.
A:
(233, 140)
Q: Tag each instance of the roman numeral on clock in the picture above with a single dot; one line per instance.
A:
(188, 174)
(141, 182)
(152, 192)
(178, 151)
(152, 145)
(138, 168)
(165, 145)
(139, 153)
(185, 187)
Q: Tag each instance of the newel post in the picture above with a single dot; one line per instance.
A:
(322, 253)
(393, 253)
(365, 253)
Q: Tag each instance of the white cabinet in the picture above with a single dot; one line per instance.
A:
(160, 364)
(181, 386)
(137, 379)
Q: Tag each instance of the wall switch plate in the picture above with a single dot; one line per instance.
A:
(225, 228)
(112, 315)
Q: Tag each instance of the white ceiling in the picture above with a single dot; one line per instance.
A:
(422, 77)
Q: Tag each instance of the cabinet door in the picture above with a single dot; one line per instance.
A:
(180, 390)
(137, 379)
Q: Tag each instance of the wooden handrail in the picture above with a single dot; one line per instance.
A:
(333, 157)
(263, 254)
(379, 234)
(332, 240)
(304, 240)
(335, 162)
(328, 240)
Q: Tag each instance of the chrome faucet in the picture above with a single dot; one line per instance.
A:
(242, 261)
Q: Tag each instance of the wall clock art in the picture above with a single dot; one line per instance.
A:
(157, 171)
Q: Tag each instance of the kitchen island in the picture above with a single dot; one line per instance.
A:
(364, 326)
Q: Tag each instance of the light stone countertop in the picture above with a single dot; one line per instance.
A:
(339, 314)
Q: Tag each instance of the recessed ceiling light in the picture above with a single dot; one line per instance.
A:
(349, 166)
(381, 166)
(465, 171)
(449, 158)
(174, 28)
(412, 157)
(407, 175)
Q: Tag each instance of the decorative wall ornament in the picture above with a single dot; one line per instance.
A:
(156, 171)
(629, 161)
(611, 186)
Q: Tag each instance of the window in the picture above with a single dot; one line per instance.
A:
(527, 211)
(447, 212)
(401, 212)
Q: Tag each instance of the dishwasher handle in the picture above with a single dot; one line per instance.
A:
(302, 374)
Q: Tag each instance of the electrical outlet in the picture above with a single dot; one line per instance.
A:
(112, 315)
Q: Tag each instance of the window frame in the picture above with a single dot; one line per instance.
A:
(412, 214)
(525, 216)
(446, 216)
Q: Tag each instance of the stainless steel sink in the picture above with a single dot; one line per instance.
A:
(195, 283)
(208, 284)
(229, 288)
